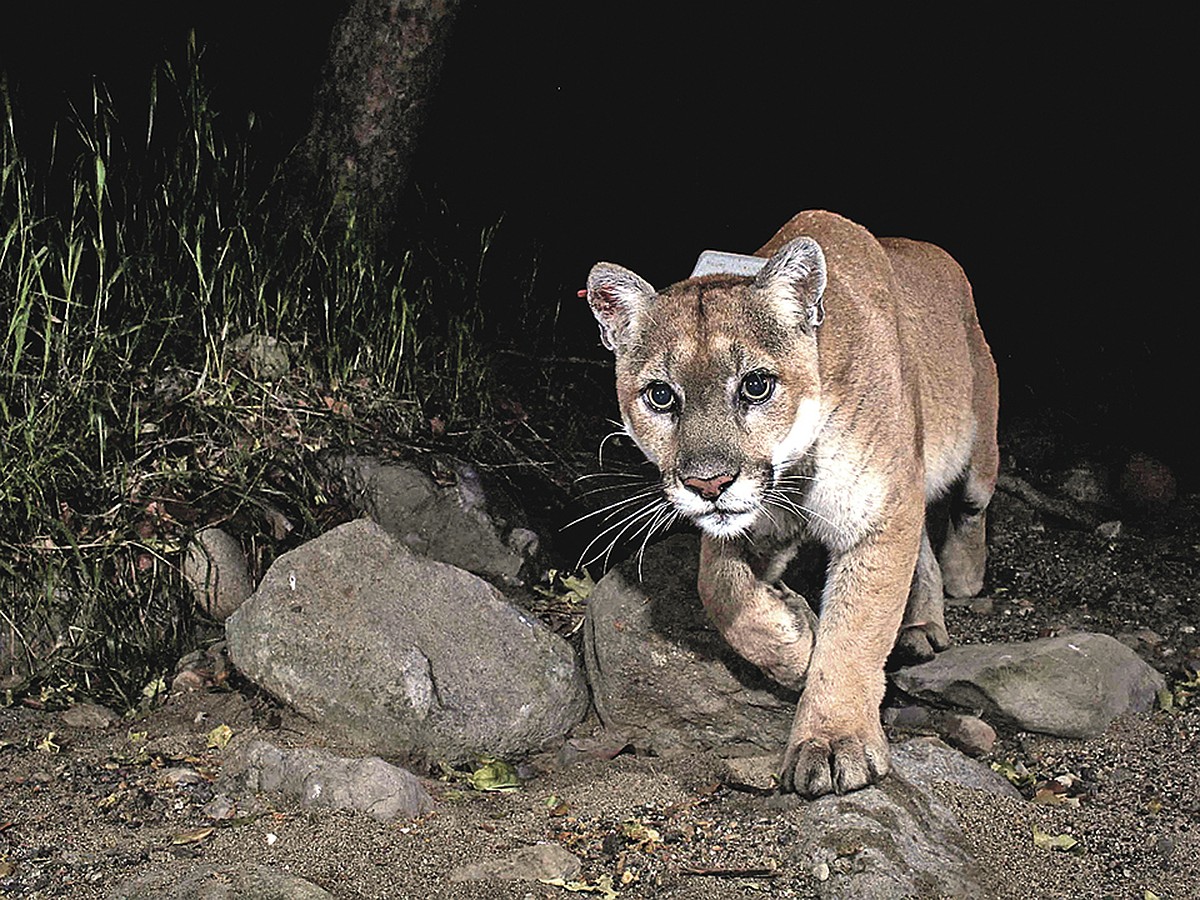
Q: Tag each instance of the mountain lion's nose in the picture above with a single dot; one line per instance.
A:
(708, 488)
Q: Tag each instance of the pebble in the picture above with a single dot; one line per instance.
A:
(88, 715)
(982, 606)
(821, 871)
(219, 807)
(179, 775)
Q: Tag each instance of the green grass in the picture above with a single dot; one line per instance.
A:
(130, 264)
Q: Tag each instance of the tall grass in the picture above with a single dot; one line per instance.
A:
(131, 261)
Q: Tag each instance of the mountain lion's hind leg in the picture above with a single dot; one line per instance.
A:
(923, 631)
(963, 554)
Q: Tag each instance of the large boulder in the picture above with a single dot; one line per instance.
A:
(661, 675)
(409, 657)
(894, 839)
(1072, 686)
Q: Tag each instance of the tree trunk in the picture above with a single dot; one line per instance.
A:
(384, 61)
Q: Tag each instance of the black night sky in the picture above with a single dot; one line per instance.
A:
(1045, 153)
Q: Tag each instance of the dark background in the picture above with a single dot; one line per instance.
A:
(1046, 153)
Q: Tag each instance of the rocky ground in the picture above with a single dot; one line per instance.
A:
(93, 806)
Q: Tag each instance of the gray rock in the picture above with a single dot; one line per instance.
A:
(315, 777)
(922, 761)
(265, 357)
(524, 864)
(966, 732)
(215, 568)
(233, 882)
(759, 774)
(661, 674)
(89, 715)
(889, 841)
(1073, 685)
(452, 519)
(409, 657)
(927, 761)
(1147, 485)
(1086, 482)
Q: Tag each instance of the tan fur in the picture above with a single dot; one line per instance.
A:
(882, 411)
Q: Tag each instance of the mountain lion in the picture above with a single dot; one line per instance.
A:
(844, 393)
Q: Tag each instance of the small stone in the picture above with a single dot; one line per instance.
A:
(541, 861)
(969, 734)
(265, 356)
(753, 773)
(89, 715)
(179, 775)
(909, 718)
(982, 606)
(216, 569)
(317, 778)
(219, 808)
(821, 871)
(1109, 530)
(1085, 483)
(1147, 485)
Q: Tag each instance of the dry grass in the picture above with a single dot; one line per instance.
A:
(131, 263)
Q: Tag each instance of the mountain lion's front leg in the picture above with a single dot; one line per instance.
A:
(836, 742)
(767, 624)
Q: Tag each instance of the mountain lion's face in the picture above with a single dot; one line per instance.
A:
(717, 381)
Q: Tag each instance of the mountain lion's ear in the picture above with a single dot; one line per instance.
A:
(617, 296)
(794, 282)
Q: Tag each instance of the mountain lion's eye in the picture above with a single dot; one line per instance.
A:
(757, 387)
(660, 396)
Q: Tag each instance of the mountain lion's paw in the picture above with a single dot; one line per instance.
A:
(814, 765)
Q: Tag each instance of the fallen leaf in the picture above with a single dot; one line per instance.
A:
(1014, 771)
(110, 801)
(1043, 840)
(193, 836)
(47, 744)
(1045, 796)
(640, 834)
(155, 687)
(603, 886)
(219, 737)
(579, 585)
(494, 775)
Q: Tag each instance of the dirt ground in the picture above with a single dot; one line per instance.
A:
(83, 809)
